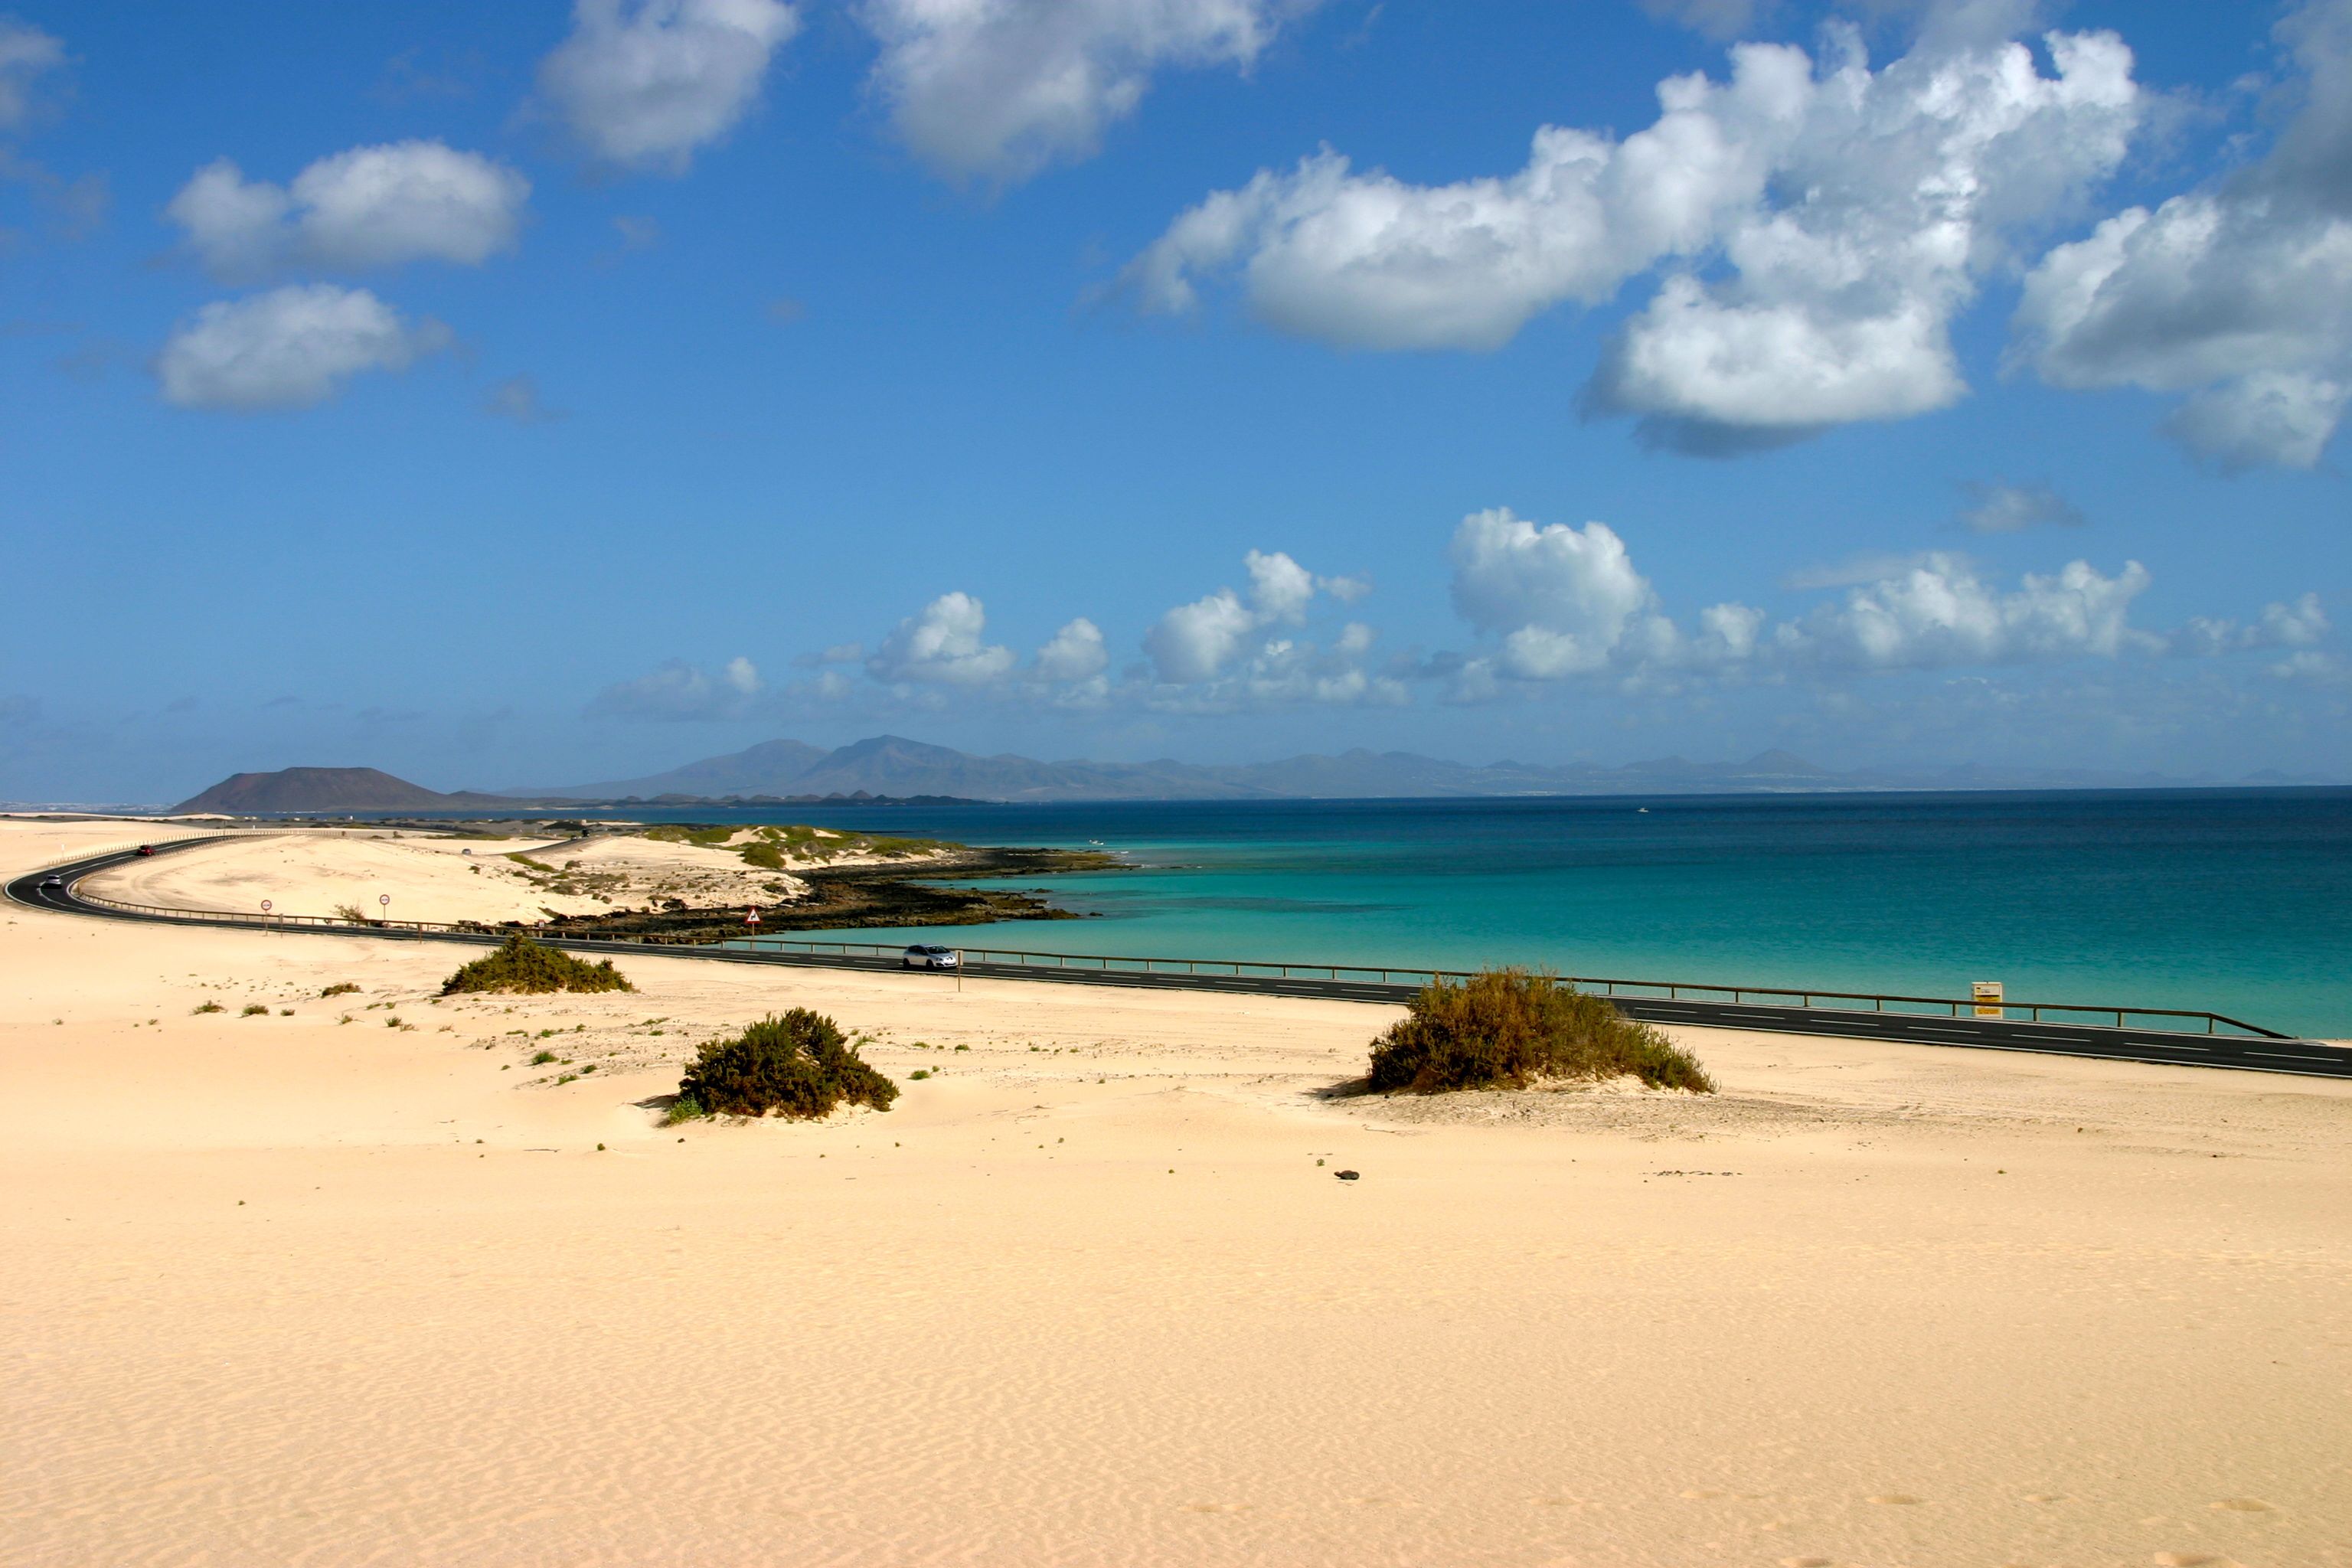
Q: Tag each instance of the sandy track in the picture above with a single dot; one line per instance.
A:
(270, 1301)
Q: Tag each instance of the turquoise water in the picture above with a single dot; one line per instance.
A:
(2236, 901)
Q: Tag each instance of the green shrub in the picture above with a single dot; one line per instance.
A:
(1506, 1028)
(763, 854)
(542, 1059)
(684, 1108)
(254, 1010)
(340, 988)
(522, 965)
(707, 836)
(206, 1008)
(798, 1065)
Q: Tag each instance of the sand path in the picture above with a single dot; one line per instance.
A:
(285, 1289)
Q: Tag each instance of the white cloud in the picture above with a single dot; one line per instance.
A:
(2239, 295)
(998, 89)
(1562, 599)
(1940, 613)
(288, 348)
(676, 691)
(942, 646)
(1856, 209)
(644, 83)
(2012, 509)
(1196, 642)
(1077, 653)
(367, 207)
(1842, 297)
(1559, 603)
(27, 54)
(2300, 624)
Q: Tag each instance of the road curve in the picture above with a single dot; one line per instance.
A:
(2309, 1058)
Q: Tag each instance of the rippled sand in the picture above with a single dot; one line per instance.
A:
(282, 1289)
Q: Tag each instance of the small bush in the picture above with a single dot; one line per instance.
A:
(254, 1010)
(684, 1107)
(798, 1065)
(206, 1008)
(522, 965)
(542, 1059)
(763, 854)
(340, 988)
(1506, 1028)
(919, 1074)
(355, 915)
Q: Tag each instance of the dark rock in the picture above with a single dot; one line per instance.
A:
(1348, 1175)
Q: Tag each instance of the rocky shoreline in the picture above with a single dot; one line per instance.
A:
(860, 897)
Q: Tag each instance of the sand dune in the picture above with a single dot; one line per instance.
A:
(290, 1288)
(438, 878)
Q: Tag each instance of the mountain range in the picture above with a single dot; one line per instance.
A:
(894, 766)
(891, 768)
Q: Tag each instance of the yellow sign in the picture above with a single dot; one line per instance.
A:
(1988, 998)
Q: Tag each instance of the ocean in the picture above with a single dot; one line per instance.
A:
(2239, 901)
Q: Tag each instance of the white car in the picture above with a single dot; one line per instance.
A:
(924, 955)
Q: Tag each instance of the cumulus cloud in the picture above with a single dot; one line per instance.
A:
(676, 691)
(26, 54)
(1077, 653)
(942, 645)
(644, 83)
(2012, 509)
(2239, 295)
(2301, 623)
(1560, 598)
(998, 89)
(367, 207)
(1555, 602)
(1941, 612)
(1855, 211)
(1196, 642)
(289, 348)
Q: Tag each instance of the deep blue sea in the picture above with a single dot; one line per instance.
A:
(2236, 901)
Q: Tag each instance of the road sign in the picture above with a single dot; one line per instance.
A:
(1988, 998)
(754, 918)
(265, 906)
(385, 900)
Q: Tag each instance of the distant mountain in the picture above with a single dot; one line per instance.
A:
(324, 791)
(895, 766)
(768, 768)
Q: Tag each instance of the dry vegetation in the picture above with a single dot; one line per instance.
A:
(521, 965)
(1509, 1029)
(799, 1066)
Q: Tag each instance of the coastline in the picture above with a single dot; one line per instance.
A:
(1094, 1300)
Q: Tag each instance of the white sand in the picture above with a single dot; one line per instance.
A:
(438, 878)
(283, 1288)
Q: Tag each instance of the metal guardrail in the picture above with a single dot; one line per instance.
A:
(1603, 985)
(2202, 1022)
(125, 847)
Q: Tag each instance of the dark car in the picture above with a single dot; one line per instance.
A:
(924, 955)
(53, 880)
(146, 849)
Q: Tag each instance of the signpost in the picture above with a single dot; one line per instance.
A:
(1987, 993)
(274, 925)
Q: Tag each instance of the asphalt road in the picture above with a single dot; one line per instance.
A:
(2306, 1058)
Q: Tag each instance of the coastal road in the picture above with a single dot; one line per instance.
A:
(2244, 1053)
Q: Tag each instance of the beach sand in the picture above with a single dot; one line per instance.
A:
(288, 1288)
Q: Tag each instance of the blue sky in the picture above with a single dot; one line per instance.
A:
(532, 393)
